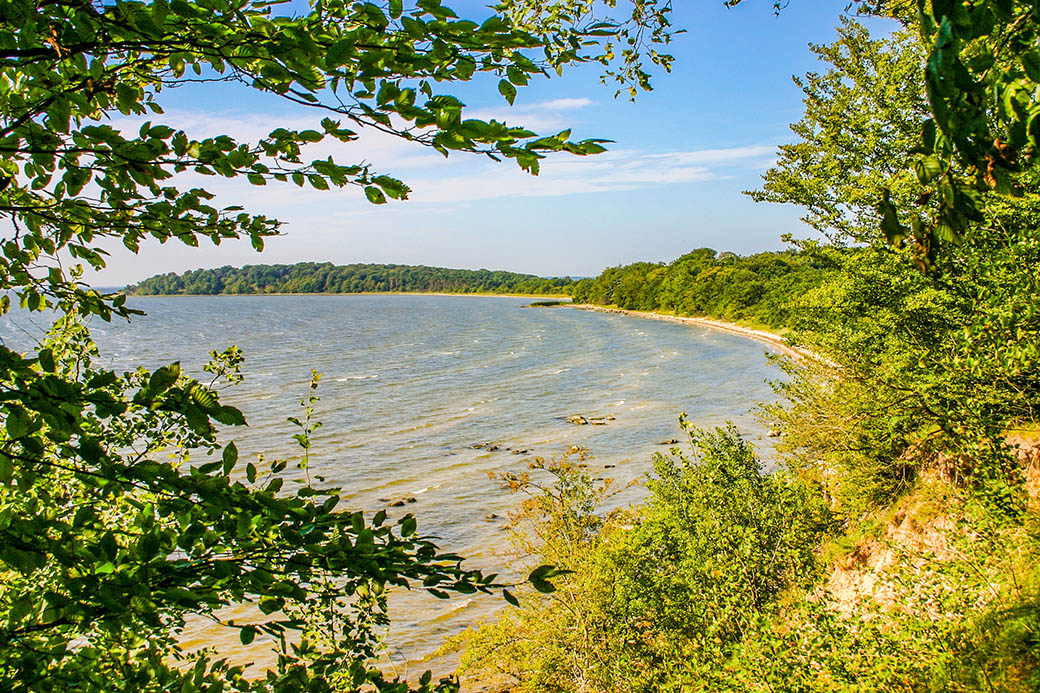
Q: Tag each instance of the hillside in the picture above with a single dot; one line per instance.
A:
(326, 278)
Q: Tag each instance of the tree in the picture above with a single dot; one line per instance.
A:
(929, 364)
(114, 523)
(863, 116)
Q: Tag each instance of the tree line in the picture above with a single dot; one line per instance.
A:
(753, 289)
(704, 282)
(326, 278)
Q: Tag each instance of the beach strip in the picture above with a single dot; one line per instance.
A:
(769, 338)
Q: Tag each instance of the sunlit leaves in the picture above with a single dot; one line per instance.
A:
(136, 539)
(981, 77)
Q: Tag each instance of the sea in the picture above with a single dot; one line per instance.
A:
(421, 397)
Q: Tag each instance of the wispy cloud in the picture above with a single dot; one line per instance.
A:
(564, 104)
(609, 172)
(459, 179)
(543, 117)
(718, 156)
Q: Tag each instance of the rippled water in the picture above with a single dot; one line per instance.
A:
(411, 383)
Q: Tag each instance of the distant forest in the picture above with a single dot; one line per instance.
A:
(753, 289)
(319, 278)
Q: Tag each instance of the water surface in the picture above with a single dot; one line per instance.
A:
(411, 383)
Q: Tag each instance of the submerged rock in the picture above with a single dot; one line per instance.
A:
(673, 441)
(579, 420)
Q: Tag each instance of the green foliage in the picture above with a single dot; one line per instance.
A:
(983, 133)
(626, 46)
(862, 116)
(956, 613)
(311, 277)
(656, 594)
(920, 368)
(109, 545)
(754, 289)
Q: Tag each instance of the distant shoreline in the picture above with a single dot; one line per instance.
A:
(770, 338)
(354, 293)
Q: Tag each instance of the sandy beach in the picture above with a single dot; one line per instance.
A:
(773, 340)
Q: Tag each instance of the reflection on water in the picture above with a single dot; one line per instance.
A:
(412, 383)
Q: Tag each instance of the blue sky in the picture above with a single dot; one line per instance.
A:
(671, 181)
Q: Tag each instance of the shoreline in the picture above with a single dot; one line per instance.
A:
(769, 338)
(355, 293)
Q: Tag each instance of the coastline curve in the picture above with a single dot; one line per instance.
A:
(769, 338)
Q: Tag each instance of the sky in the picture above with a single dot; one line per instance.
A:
(671, 181)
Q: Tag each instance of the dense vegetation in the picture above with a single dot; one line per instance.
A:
(754, 289)
(318, 278)
(896, 546)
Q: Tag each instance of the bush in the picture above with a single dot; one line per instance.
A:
(658, 594)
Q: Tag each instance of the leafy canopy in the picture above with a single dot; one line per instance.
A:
(982, 133)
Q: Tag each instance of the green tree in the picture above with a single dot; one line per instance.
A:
(941, 361)
(863, 115)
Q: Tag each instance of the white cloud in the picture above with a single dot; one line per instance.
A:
(543, 117)
(719, 156)
(564, 104)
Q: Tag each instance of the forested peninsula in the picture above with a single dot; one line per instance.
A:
(754, 290)
(327, 278)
